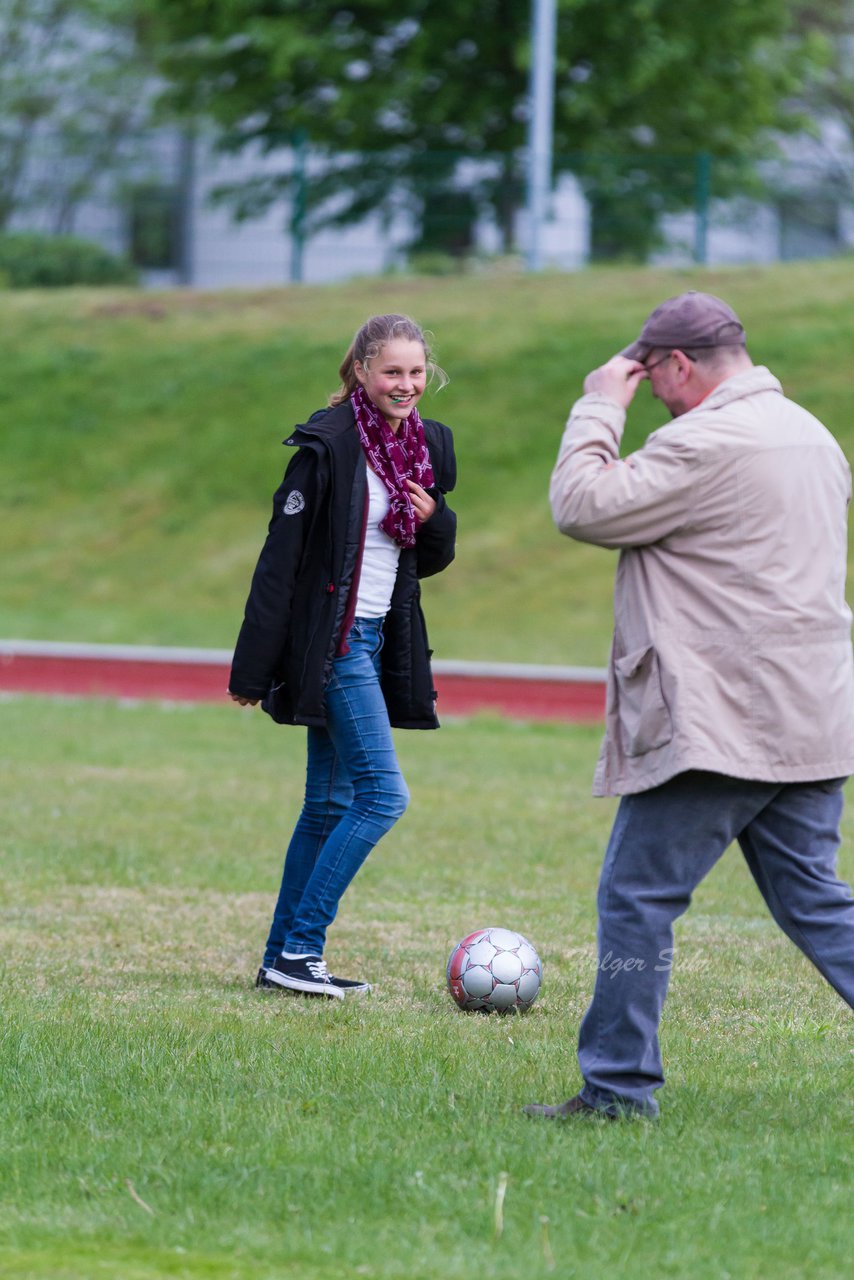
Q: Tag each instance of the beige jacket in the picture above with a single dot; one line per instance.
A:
(732, 639)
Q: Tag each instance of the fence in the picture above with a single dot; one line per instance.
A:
(186, 213)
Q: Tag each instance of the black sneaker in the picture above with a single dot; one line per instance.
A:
(352, 986)
(349, 985)
(308, 974)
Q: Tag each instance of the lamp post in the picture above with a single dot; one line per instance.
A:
(541, 124)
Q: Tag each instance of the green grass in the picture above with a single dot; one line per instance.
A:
(160, 1118)
(142, 434)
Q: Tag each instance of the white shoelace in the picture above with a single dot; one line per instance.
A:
(318, 969)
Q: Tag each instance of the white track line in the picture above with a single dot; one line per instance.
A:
(222, 657)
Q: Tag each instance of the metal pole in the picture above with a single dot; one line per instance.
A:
(702, 194)
(541, 125)
(185, 219)
(298, 207)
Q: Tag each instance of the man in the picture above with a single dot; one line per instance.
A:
(730, 710)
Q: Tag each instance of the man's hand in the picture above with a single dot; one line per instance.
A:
(619, 379)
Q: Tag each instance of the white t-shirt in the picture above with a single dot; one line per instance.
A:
(380, 556)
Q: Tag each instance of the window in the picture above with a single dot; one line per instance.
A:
(154, 226)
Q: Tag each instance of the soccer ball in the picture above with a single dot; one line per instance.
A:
(494, 969)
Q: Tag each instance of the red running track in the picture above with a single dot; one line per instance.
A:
(182, 675)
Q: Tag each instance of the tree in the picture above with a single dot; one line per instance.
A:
(829, 26)
(828, 96)
(392, 99)
(73, 87)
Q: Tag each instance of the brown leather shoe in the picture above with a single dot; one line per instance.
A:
(565, 1110)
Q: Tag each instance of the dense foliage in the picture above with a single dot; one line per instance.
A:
(30, 260)
(399, 99)
(74, 89)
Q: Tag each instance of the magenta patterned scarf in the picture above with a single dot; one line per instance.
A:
(395, 457)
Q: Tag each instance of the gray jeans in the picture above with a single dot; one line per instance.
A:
(663, 843)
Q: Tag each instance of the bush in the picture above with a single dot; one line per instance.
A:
(435, 263)
(32, 260)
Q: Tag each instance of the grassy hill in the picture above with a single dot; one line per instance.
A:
(141, 440)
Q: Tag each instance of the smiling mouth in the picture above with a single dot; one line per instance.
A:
(400, 399)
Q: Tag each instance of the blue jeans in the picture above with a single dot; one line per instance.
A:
(663, 843)
(354, 794)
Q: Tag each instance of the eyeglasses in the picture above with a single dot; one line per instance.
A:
(649, 367)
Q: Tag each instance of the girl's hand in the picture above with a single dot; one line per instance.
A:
(244, 702)
(422, 502)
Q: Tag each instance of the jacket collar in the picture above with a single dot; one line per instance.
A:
(325, 424)
(737, 387)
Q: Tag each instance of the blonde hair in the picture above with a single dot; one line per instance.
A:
(369, 342)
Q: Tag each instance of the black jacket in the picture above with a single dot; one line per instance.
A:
(298, 600)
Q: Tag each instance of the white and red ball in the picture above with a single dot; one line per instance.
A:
(494, 970)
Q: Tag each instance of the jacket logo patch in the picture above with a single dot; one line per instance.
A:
(294, 504)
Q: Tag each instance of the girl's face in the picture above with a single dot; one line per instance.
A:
(395, 379)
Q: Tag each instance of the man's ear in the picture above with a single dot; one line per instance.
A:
(684, 365)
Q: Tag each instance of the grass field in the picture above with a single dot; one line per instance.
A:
(160, 1118)
(142, 434)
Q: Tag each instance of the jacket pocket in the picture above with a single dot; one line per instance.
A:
(644, 718)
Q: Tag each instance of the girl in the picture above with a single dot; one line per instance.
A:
(334, 637)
